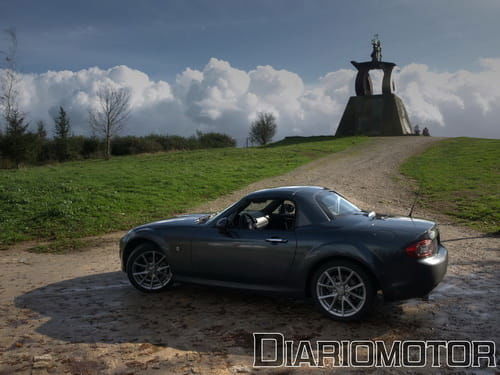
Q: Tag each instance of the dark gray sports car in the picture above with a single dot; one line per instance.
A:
(304, 240)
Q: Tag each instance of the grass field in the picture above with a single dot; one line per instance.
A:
(77, 199)
(461, 177)
(295, 140)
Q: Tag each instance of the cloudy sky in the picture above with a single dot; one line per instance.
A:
(213, 64)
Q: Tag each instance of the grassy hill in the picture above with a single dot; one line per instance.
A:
(78, 199)
(297, 139)
(461, 177)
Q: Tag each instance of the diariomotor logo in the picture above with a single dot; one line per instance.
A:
(369, 353)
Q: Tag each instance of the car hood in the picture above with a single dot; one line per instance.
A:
(181, 220)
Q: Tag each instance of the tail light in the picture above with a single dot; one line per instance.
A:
(421, 249)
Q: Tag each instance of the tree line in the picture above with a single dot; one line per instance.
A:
(20, 145)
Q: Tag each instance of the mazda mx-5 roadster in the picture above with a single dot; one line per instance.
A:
(303, 240)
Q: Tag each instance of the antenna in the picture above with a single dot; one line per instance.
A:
(415, 201)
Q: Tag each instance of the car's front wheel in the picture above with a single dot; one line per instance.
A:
(343, 290)
(148, 269)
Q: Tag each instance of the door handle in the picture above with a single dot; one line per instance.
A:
(277, 240)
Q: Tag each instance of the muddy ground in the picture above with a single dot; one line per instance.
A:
(80, 310)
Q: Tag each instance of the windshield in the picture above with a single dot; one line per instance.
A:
(335, 205)
(217, 215)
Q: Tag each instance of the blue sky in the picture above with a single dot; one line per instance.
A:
(290, 58)
(310, 37)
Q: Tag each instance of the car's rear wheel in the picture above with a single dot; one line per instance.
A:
(148, 269)
(343, 290)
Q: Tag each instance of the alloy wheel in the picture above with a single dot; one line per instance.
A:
(341, 291)
(151, 270)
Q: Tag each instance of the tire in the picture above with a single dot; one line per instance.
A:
(148, 269)
(348, 300)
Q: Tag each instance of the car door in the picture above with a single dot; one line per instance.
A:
(250, 256)
(244, 255)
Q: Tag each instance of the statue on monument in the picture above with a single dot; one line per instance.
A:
(370, 114)
(377, 49)
(363, 83)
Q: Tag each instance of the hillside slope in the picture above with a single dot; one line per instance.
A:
(77, 199)
(461, 178)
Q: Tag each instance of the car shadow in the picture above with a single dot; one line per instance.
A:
(104, 308)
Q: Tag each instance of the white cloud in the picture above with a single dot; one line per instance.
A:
(461, 103)
(223, 98)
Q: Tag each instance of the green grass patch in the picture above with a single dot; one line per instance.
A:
(78, 199)
(461, 177)
(298, 140)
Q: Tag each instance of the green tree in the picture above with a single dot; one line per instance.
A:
(17, 141)
(61, 130)
(263, 129)
(43, 147)
(41, 131)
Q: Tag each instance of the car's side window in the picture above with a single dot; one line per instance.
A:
(284, 216)
(266, 215)
(253, 215)
(258, 206)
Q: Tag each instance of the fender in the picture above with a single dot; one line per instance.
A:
(133, 238)
(353, 251)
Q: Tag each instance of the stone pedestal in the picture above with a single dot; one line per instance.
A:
(374, 115)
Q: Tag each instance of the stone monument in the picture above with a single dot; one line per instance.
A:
(368, 114)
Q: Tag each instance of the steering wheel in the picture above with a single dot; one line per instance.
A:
(246, 221)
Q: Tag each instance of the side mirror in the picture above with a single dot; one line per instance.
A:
(222, 224)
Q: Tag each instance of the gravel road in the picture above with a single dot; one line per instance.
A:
(77, 314)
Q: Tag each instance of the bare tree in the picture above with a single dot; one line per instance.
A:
(109, 118)
(263, 129)
(9, 79)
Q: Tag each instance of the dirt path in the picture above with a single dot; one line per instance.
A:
(80, 309)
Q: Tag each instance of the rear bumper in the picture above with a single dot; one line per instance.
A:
(426, 274)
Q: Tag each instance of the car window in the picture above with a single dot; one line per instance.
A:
(284, 216)
(256, 206)
(335, 205)
(286, 207)
(267, 215)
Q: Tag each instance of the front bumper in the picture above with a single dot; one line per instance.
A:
(424, 276)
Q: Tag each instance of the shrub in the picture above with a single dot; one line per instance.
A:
(134, 145)
(175, 142)
(90, 147)
(35, 148)
(46, 151)
(215, 140)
